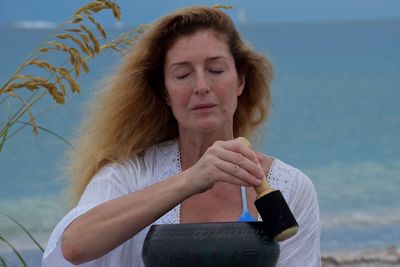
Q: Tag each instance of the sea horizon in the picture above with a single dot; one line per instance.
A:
(335, 116)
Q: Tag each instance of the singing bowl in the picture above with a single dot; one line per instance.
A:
(228, 244)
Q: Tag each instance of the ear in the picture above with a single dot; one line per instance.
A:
(167, 100)
(240, 85)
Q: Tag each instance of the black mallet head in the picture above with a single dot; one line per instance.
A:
(271, 205)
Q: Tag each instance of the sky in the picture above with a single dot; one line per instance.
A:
(245, 11)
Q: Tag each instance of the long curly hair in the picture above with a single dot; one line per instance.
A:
(130, 113)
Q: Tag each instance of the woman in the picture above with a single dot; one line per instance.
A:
(159, 146)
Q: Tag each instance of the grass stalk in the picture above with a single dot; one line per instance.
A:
(16, 252)
(2, 262)
(56, 89)
(40, 128)
(24, 229)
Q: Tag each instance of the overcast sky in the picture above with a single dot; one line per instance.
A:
(250, 11)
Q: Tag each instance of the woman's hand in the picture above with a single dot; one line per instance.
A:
(225, 161)
(265, 162)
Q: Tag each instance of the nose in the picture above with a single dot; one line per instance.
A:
(201, 85)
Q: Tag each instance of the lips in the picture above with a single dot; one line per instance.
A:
(203, 106)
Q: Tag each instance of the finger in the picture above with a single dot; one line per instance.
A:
(242, 156)
(227, 178)
(233, 171)
(239, 147)
(265, 161)
(233, 180)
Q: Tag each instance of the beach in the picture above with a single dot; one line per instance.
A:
(387, 257)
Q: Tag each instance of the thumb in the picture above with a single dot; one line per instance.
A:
(265, 161)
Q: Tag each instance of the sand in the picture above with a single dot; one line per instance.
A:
(388, 257)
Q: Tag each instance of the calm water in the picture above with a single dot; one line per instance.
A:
(336, 116)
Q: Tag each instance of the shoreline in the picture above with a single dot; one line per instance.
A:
(387, 257)
(384, 257)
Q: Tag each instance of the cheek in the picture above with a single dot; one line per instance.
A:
(229, 93)
(228, 100)
(177, 99)
(171, 94)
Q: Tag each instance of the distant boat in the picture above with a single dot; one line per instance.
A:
(34, 24)
(242, 16)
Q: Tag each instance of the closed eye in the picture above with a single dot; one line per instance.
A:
(182, 76)
(216, 71)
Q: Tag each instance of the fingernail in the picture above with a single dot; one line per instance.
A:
(255, 158)
(261, 173)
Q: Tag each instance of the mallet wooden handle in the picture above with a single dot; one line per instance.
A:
(264, 188)
(271, 205)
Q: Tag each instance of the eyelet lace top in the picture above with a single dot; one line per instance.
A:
(162, 161)
(170, 164)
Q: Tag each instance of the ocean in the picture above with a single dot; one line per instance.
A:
(335, 116)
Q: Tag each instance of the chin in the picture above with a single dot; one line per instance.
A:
(210, 127)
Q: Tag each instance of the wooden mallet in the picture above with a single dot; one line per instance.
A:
(278, 220)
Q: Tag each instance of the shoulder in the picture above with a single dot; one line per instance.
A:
(143, 169)
(302, 249)
(288, 179)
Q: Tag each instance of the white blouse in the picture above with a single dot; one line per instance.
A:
(162, 161)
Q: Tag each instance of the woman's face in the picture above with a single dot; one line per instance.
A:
(202, 82)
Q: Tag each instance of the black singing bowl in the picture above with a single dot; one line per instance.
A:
(230, 244)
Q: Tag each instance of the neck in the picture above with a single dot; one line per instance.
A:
(192, 146)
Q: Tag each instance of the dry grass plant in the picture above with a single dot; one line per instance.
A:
(79, 39)
(78, 43)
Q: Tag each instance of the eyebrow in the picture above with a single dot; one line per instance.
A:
(183, 63)
(215, 58)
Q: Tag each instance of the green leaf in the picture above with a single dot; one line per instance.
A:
(4, 136)
(24, 229)
(21, 259)
(48, 131)
(3, 262)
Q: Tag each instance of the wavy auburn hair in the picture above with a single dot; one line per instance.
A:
(130, 113)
